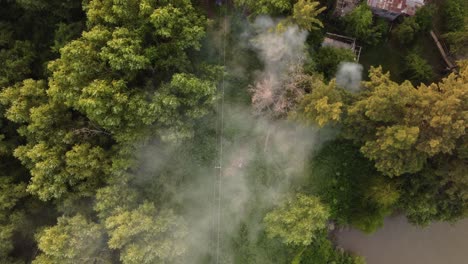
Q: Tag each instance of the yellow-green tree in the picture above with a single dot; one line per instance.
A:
(259, 7)
(305, 14)
(298, 220)
(114, 72)
(73, 240)
(322, 106)
(146, 235)
(402, 126)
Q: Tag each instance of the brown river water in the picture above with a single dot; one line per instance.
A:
(399, 242)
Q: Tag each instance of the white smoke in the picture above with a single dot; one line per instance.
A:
(349, 76)
(251, 145)
(278, 49)
(262, 157)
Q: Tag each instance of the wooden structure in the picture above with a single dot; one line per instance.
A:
(342, 42)
(450, 65)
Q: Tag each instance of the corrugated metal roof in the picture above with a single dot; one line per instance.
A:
(397, 6)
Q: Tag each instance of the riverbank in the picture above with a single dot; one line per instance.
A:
(401, 242)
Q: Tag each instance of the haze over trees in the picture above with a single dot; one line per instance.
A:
(114, 116)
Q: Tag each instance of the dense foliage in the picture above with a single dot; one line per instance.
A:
(455, 25)
(328, 59)
(417, 69)
(297, 221)
(361, 24)
(114, 116)
(357, 194)
(322, 251)
(415, 26)
(71, 119)
(409, 132)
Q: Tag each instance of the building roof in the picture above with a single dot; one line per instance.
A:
(408, 7)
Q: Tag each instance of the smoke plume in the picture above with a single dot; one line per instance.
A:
(349, 76)
(263, 157)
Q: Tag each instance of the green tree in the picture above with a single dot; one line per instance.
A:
(328, 59)
(390, 120)
(265, 7)
(322, 251)
(179, 102)
(21, 97)
(65, 33)
(393, 150)
(28, 46)
(400, 127)
(17, 60)
(55, 170)
(113, 74)
(298, 220)
(455, 25)
(381, 29)
(349, 184)
(305, 14)
(111, 84)
(418, 69)
(438, 193)
(146, 235)
(323, 105)
(115, 197)
(406, 31)
(72, 240)
(424, 17)
(458, 40)
(359, 24)
(131, 73)
(454, 14)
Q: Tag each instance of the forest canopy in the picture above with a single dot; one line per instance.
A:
(179, 131)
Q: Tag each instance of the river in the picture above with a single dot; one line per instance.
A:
(399, 242)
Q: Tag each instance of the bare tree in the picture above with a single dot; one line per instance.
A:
(275, 96)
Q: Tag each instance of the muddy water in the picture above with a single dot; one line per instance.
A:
(399, 242)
